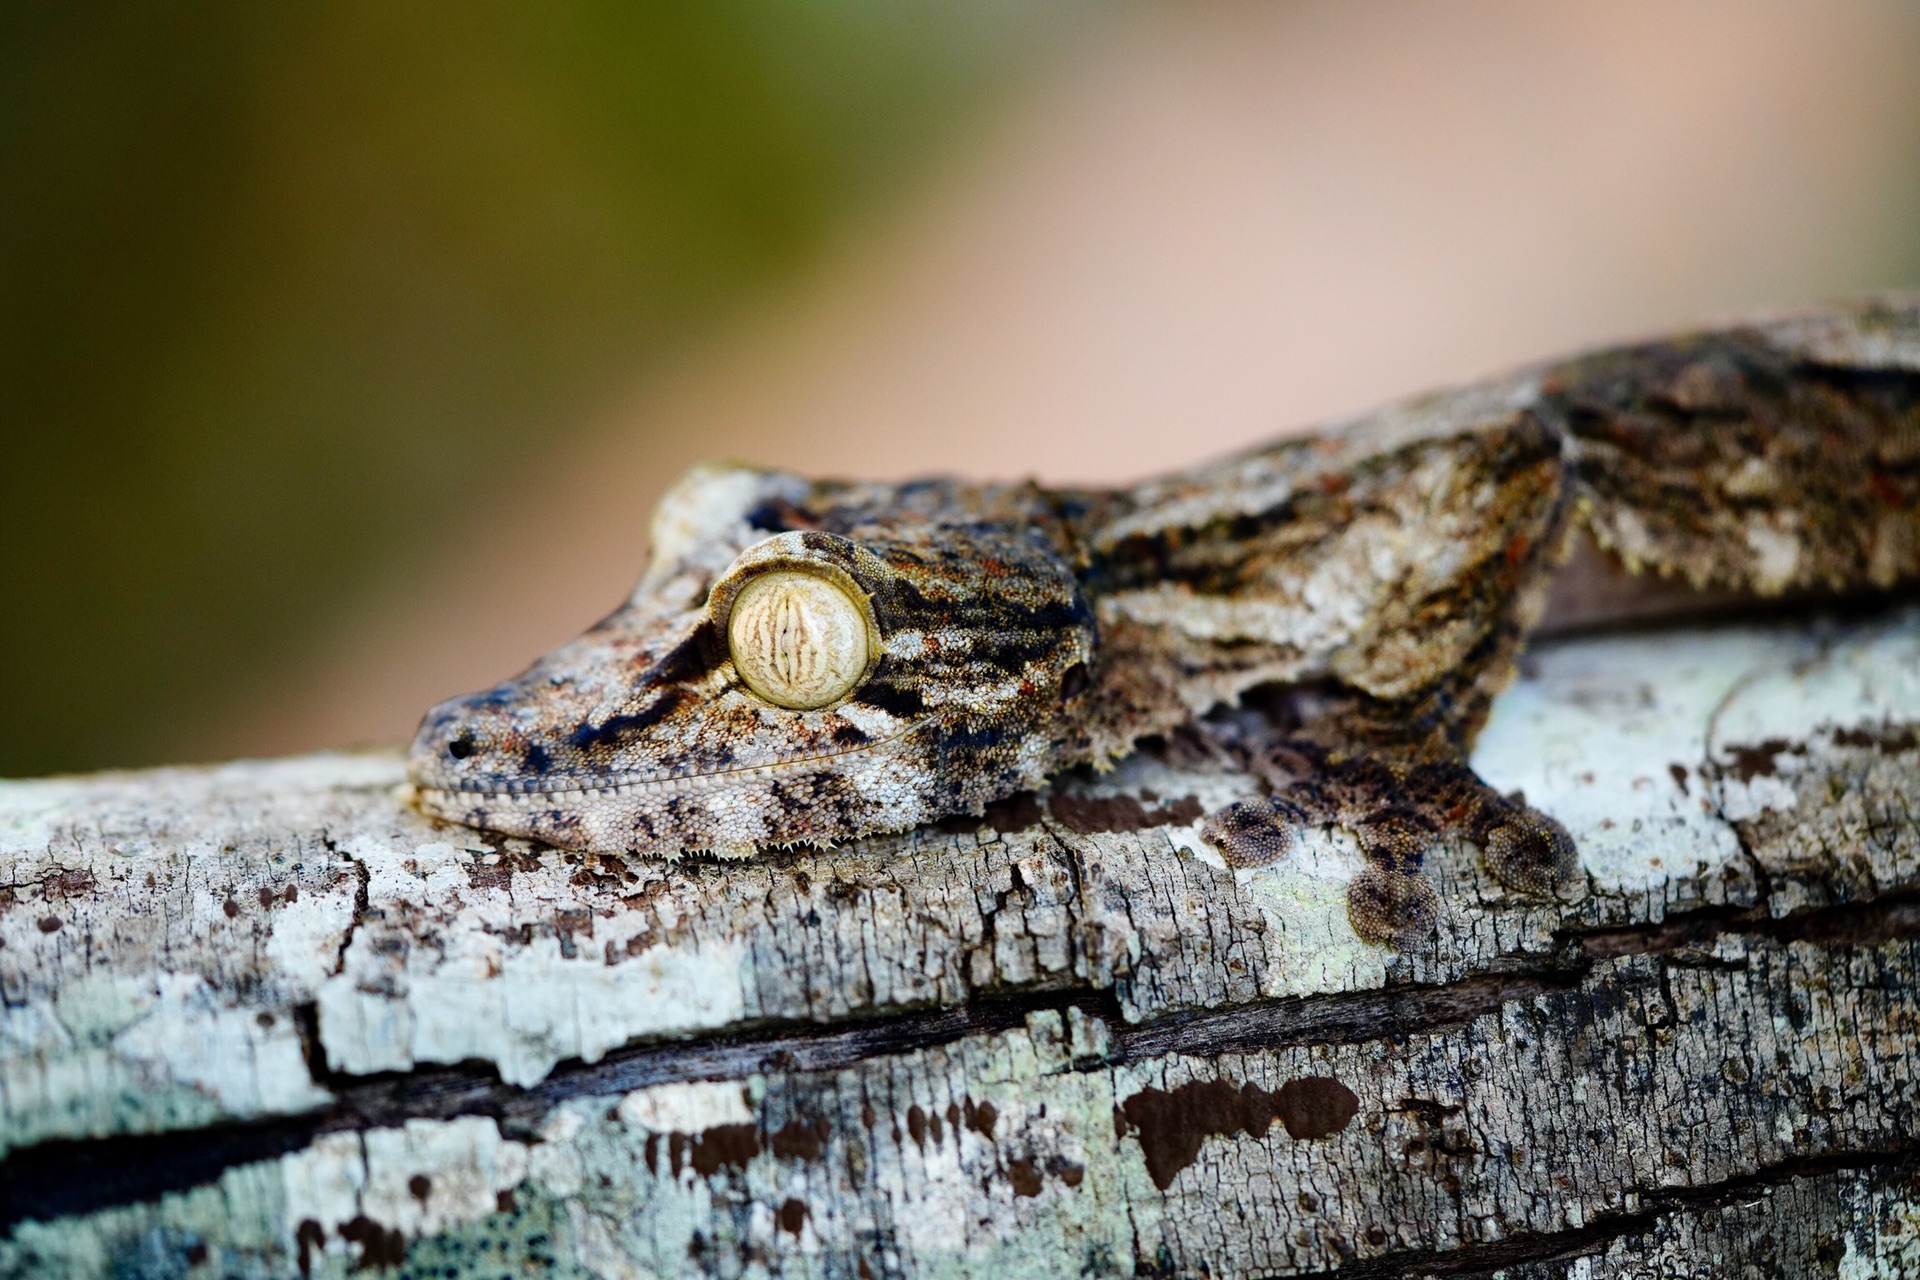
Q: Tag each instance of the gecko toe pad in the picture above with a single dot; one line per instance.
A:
(1529, 852)
(1253, 833)
(1391, 901)
(1392, 907)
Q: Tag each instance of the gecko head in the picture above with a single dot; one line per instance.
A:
(779, 685)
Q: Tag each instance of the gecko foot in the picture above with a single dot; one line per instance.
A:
(1524, 849)
(1390, 901)
(1397, 812)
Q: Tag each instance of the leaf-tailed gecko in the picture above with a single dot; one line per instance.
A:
(805, 661)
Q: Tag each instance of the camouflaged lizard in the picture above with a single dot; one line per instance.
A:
(809, 661)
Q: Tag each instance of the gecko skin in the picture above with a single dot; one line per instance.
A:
(1375, 582)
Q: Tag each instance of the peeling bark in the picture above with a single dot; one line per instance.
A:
(264, 1019)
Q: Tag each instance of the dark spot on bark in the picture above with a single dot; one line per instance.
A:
(917, 1125)
(866, 1272)
(379, 1247)
(937, 1129)
(1376, 1237)
(798, 1140)
(49, 924)
(953, 1117)
(793, 1216)
(1886, 739)
(67, 884)
(196, 1253)
(1315, 1107)
(653, 1154)
(1756, 761)
(503, 1202)
(983, 1117)
(731, 1145)
(1088, 815)
(1172, 1124)
(309, 1235)
(1679, 772)
(1017, 812)
(1070, 1174)
(232, 909)
(866, 1114)
(263, 1020)
(420, 1186)
(1095, 815)
(291, 895)
(265, 895)
(1024, 1177)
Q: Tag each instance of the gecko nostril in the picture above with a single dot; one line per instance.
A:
(461, 747)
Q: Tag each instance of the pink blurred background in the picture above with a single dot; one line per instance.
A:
(1195, 227)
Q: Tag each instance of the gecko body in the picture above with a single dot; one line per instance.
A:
(806, 661)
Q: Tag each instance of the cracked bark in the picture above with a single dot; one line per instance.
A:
(263, 1019)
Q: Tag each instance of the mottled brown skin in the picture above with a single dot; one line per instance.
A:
(1376, 581)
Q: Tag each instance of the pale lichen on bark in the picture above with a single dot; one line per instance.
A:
(264, 1019)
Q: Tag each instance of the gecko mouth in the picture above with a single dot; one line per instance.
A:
(534, 791)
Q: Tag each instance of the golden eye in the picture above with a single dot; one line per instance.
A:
(797, 639)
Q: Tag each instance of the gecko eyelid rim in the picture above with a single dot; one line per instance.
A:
(801, 637)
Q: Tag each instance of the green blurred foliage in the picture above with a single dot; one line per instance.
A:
(281, 286)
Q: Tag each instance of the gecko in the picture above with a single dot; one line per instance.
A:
(809, 661)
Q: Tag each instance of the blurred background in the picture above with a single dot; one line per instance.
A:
(345, 347)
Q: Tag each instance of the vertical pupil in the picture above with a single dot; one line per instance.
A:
(795, 647)
(796, 639)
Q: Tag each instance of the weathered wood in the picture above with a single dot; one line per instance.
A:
(264, 1019)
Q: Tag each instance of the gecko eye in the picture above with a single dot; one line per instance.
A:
(798, 639)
